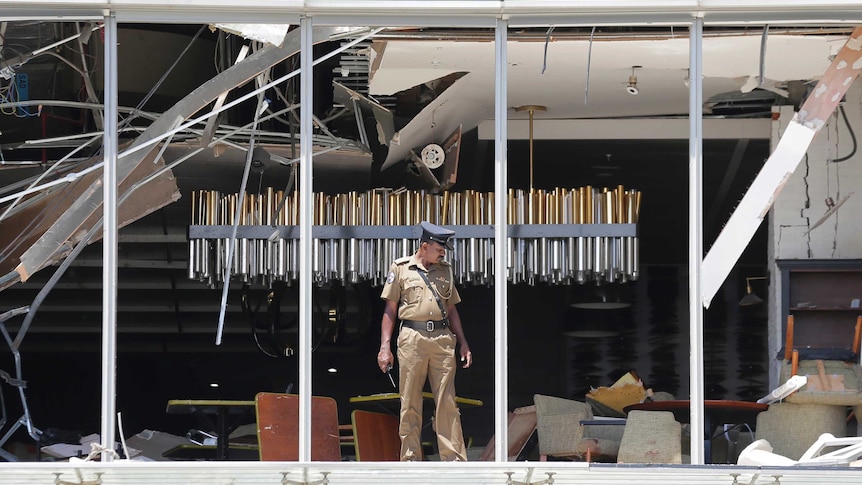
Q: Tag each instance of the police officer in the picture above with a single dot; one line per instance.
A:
(420, 294)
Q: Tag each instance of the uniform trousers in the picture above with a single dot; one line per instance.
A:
(429, 355)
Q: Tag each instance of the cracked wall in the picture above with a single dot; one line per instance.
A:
(818, 214)
(825, 177)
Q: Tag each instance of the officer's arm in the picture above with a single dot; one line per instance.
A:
(458, 330)
(387, 324)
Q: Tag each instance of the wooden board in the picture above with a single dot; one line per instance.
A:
(375, 436)
(278, 427)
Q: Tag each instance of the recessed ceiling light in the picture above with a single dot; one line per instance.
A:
(214, 384)
(332, 370)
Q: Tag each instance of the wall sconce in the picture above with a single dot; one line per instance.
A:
(750, 298)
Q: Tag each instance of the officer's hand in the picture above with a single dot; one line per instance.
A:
(466, 357)
(385, 360)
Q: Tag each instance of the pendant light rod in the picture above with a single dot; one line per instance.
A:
(531, 108)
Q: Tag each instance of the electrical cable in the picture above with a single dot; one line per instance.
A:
(134, 114)
(852, 136)
(274, 348)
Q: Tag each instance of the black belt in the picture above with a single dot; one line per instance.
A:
(429, 325)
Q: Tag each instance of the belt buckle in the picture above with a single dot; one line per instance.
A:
(429, 325)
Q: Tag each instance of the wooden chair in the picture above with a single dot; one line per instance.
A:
(278, 423)
(375, 436)
(563, 436)
(522, 425)
(794, 353)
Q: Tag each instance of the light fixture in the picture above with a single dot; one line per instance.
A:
(750, 298)
(632, 86)
(531, 108)
(260, 159)
(601, 297)
(590, 315)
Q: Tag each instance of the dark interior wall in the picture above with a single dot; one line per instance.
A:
(63, 369)
(64, 387)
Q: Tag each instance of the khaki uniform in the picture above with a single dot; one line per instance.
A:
(425, 355)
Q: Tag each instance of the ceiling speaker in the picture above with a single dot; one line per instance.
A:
(433, 156)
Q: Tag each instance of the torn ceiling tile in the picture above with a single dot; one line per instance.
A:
(463, 105)
(353, 100)
(40, 212)
(266, 33)
(558, 80)
(53, 242)
(405, 63)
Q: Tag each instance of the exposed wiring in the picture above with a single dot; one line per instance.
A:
(275, 347)
(852, 136)
(9, 94)
(547, 40)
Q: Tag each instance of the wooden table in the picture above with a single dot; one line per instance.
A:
(222, 410)
(715, 412)
(391, 402)
(393, 399)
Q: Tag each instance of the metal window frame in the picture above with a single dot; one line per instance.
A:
(501, 17)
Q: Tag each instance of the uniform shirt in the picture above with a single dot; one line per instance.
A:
(415, 300)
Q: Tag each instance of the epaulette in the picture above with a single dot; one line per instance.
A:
(403, 260)
(444, 263)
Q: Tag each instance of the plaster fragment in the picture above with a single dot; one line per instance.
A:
(854, 43)
(836, 97)
(819, 90)
(841, 64)
(857, 64)
(848, 81)
(814, 124)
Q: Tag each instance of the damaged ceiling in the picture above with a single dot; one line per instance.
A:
(377, 101)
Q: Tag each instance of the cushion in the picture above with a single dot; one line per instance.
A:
(791, 428)
(651, 437)
(848, 374)
(558, 423)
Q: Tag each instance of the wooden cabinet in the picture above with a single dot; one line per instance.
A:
(823, 298)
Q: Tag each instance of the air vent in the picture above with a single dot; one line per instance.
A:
(735, 104)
